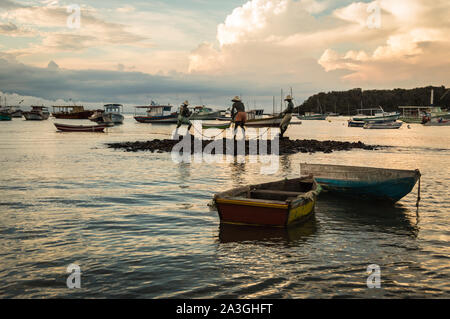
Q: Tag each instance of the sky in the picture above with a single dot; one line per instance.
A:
(209, 51)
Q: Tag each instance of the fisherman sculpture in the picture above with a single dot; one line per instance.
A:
(286, 115)
(238, 115)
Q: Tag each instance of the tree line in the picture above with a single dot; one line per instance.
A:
(348, 102)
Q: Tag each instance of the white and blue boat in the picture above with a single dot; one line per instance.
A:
(389, 185)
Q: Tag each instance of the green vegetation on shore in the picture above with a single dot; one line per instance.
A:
(347, 102)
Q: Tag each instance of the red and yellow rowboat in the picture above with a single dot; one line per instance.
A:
(277, 204)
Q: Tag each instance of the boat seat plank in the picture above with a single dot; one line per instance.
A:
(269, 194)
(275, 192)
(256, 200)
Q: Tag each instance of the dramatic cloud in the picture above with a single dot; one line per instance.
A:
(279, 39)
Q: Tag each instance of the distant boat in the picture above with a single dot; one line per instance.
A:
(221, 126)
(312, 117)
(4, 116)
(278, 204)
(97, 116)
(376, 114)
(415, 114)
(204, 113)
(384, 125)
(436, 121)
(71, 112)
(352, 123)
(113, 113)
(224, 116)
(81, 128)
(157, 114)
(389, 185)
(37, 113)
(255, 118)
(12, 111)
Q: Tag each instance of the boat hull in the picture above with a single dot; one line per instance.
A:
(254, 213)
(80, 128)
(438, 122)
(319, 117)
(114, 117)
(5, 117)
(385, 118)
(383, 126)
(74, 116)
(216, 126)
(356, 123)
(205, 117)
(30, 116)
(267, 122)
(375, 183)
(170, 119)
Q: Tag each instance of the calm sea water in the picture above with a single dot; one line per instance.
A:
(139, 226)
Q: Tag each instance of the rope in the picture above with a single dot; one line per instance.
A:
(418, 194)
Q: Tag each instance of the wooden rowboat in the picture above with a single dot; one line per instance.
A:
(81, 128)
(277, 204)
(220, 126)
(388, 185)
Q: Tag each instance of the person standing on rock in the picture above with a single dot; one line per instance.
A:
(238, 115)
(286, 115)
(183, 117)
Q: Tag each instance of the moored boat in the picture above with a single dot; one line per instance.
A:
(12, 111)
(81, 128)
(375, 114)
(312, 117)
(37, 113)
(436, 121)
(97, 116)
(204, 113)
(389, 185)
(383, 125)
(5, 116)
(113, 114)
(156, 114)
(278, 204)
(255, 118)
(71, 112)
(221, 126)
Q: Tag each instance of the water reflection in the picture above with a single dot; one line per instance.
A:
(184, 170)
(286, 165)
(238, 173)
(385, 218)
(229, 233)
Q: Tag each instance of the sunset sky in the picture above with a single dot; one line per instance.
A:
(209, 51)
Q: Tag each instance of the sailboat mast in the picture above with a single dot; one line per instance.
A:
(281, 101)
(273, 106)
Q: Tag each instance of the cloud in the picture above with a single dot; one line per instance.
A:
(378, 43)
(93, 31)
(414, 44)
(52, 83)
